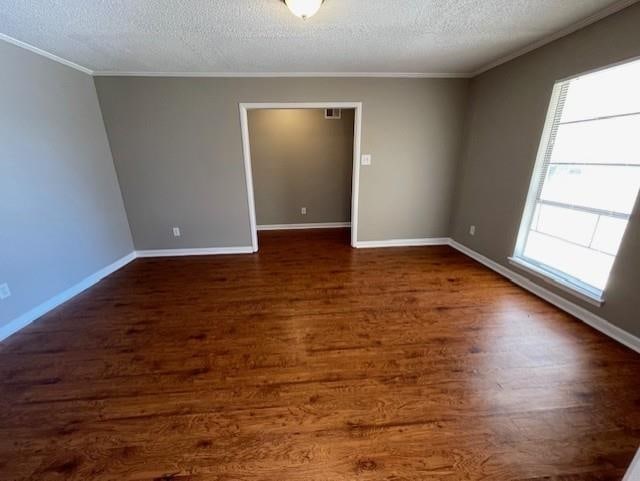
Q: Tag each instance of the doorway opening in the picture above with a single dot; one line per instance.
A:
(298, 171)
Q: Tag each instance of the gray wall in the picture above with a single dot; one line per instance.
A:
(62, 213)
(300, 159)
(177, 148)
(505, 119)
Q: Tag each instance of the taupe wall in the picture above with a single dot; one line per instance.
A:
(177, 148)
(300, 159)
(62, 217)
(505, 119)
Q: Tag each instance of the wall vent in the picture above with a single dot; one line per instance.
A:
(332, 113)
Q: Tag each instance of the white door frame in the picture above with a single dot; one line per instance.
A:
(246, 151)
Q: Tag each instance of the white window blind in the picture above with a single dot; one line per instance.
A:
(586, 179)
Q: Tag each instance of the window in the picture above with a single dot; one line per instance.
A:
(585, 182)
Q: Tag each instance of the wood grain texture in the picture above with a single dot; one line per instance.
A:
(313, 361)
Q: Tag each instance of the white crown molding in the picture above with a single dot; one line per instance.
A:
(614, 8)
(429, 241)
(316, 225)
(105, 73)
(115, 73)
(44, 53)
(610, 10)
(588, 317)
(40, 310)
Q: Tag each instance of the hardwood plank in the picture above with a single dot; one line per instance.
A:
(314, 361)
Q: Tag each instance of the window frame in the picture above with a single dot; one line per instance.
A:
(545, 272)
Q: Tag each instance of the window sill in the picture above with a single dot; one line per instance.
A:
(557, 281)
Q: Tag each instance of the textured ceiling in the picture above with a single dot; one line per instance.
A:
(261, 36)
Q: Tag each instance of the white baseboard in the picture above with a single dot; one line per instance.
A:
(431, 241)
(575, 310)
(579, 312)
(316, 225)
(208, 251)
(38, 311)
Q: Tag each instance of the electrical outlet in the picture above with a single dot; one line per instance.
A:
(366, 159)
(176, 232)
(303, 211)
(4, 291)
(472, 230)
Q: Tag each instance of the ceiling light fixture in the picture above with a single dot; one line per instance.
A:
(304, 8)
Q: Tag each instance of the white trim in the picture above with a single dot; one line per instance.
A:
(355, 174)
(208, 251)
(557, 281)
(246, 152)
(299, 105)
(248, 176)
(633, 473)
(40, 310)
(429, 241)
(587, 317)
(581, 313)
(44, 53)
(610, 10)
(115, 73)
(310, 225)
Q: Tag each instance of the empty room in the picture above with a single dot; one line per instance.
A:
(320, 240)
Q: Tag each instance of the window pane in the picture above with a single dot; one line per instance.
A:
(610, 141)
(608, 235)
(536, 217)
(606, 188)
(567, 224)
(587, 177)
(590, 266)
(613, 91)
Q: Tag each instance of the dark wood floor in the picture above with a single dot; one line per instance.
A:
(312, 361)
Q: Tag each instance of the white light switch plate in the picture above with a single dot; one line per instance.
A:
(366, 159)
(4, 291)
(176, 232)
